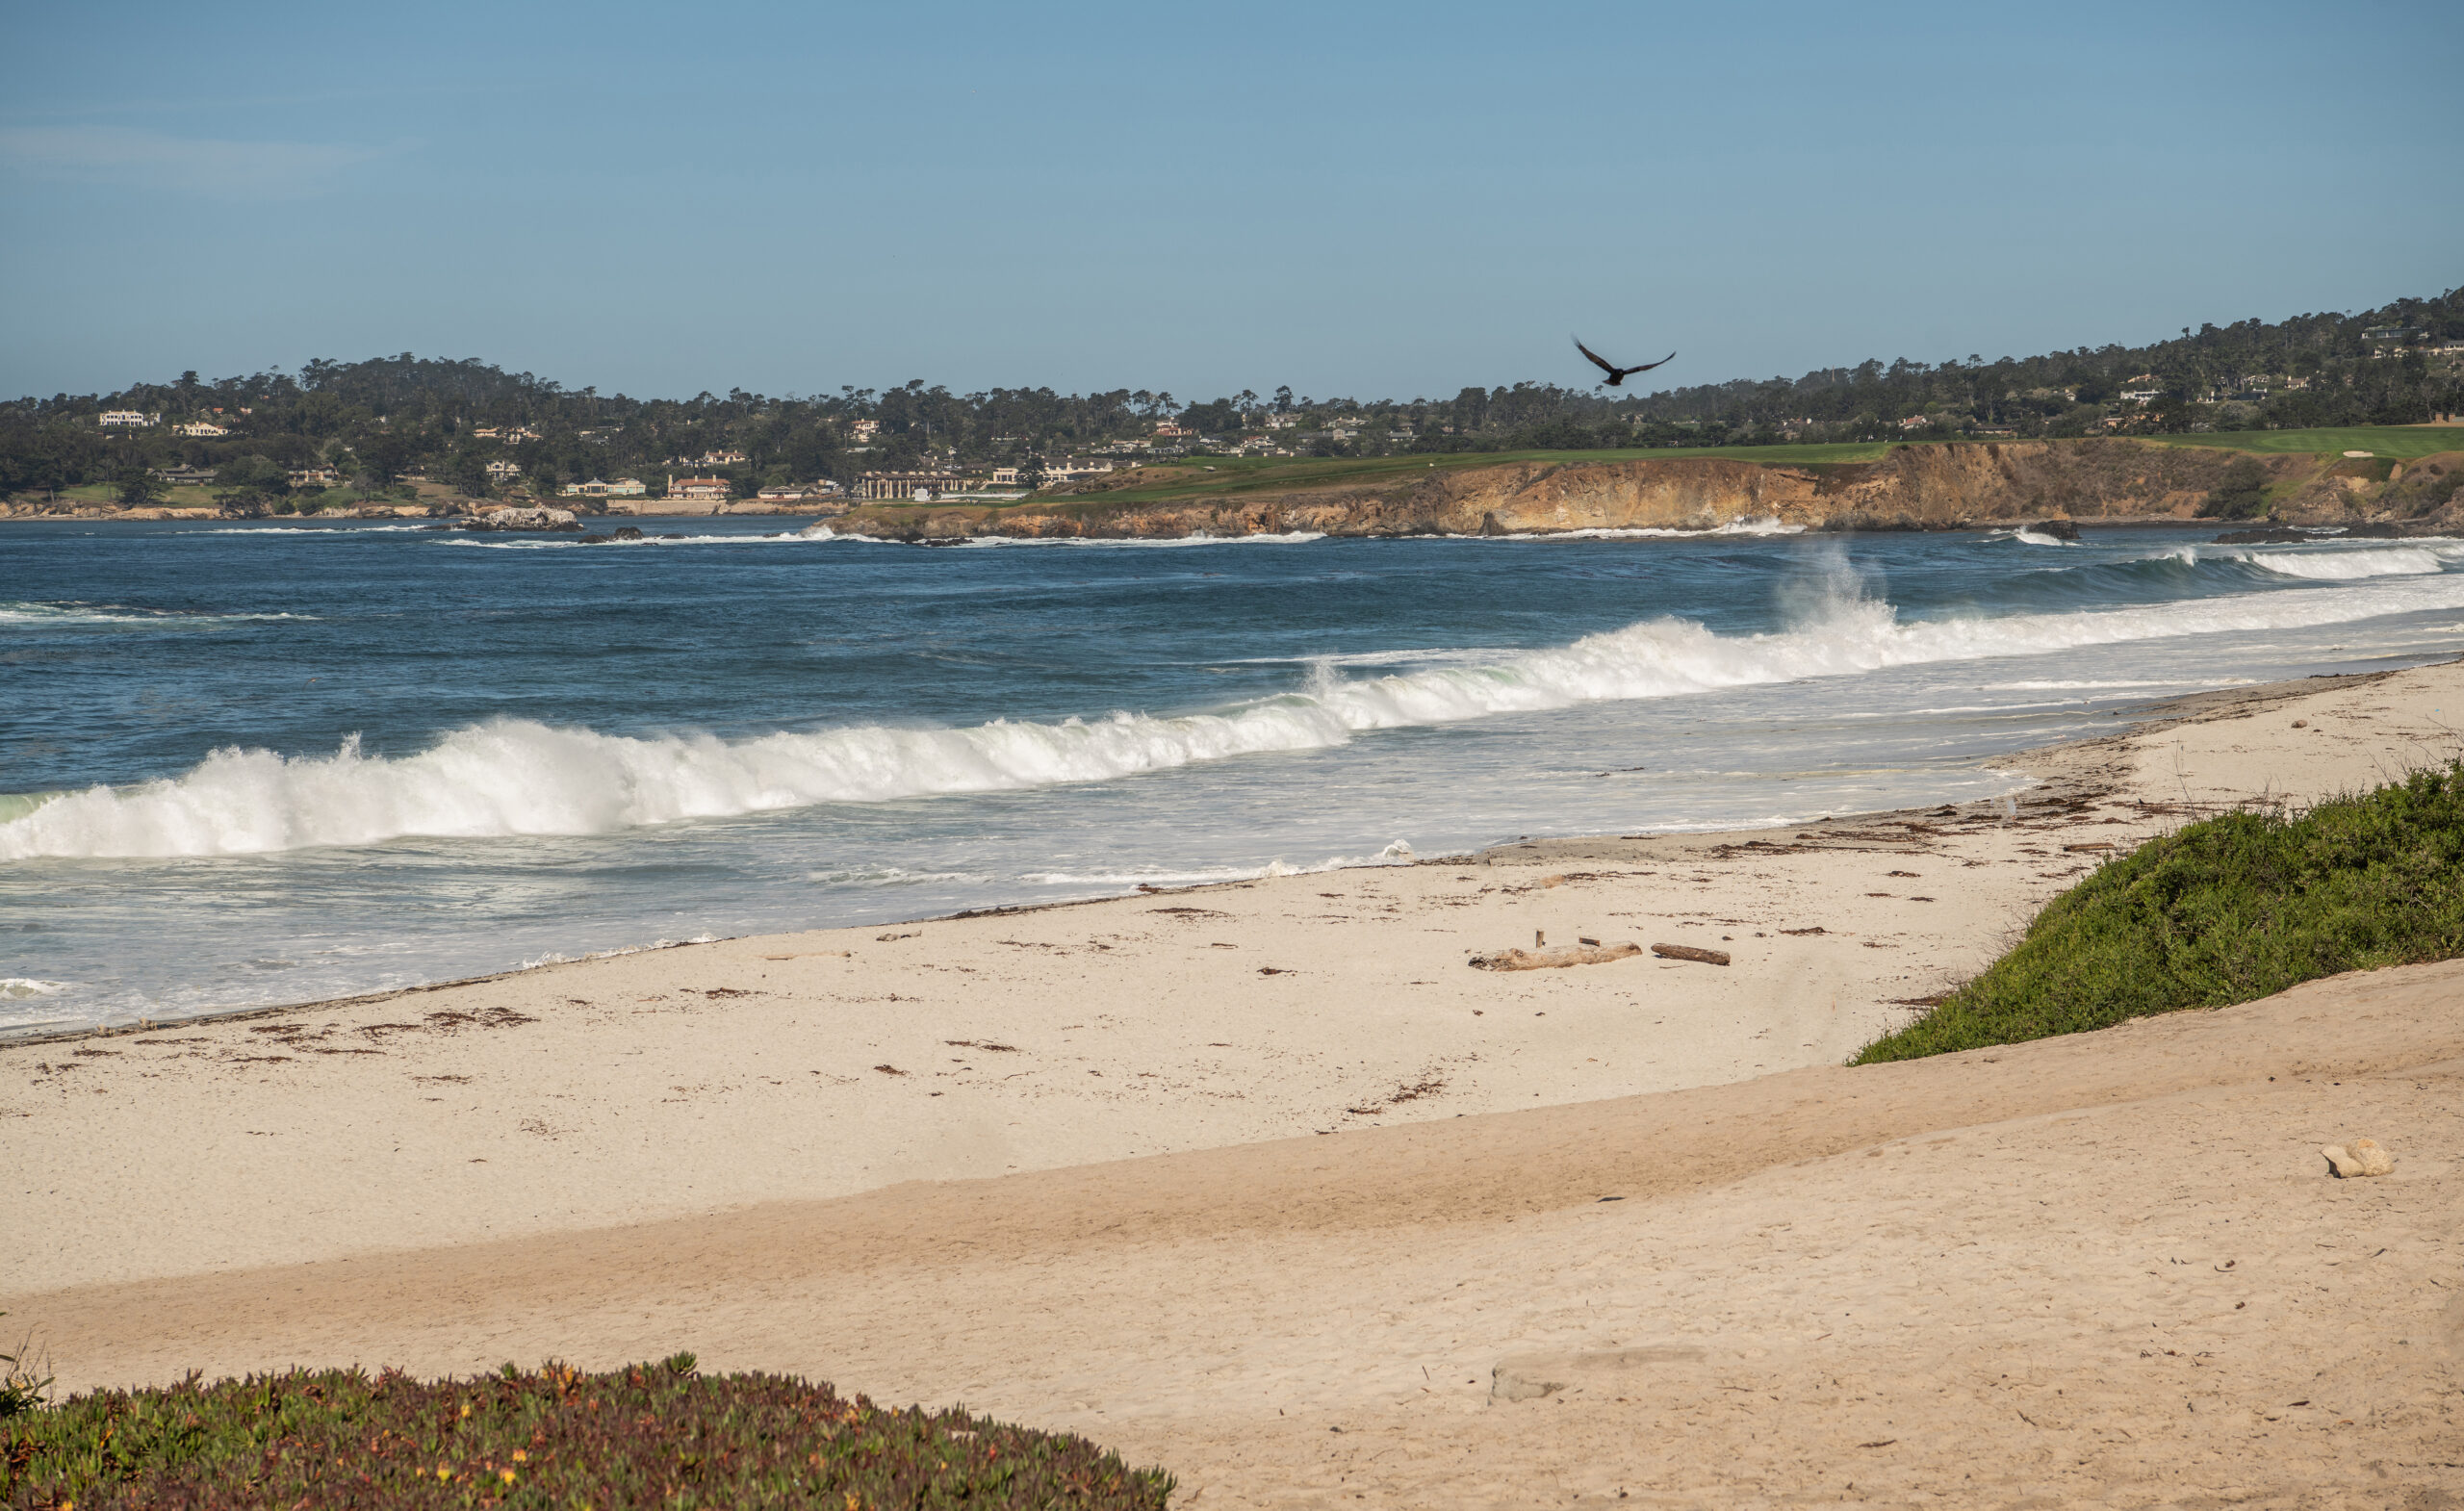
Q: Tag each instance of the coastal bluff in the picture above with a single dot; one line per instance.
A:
(1951, 486)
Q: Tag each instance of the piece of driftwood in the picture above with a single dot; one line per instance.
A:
(1545, 960)
(1687, 952)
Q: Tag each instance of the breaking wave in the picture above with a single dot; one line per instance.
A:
(2350, 565)
(53, 615)
(1767, 524)
(520, 777)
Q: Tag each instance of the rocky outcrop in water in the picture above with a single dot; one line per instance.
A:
(538, 519)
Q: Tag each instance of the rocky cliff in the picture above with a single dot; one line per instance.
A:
(1916, 487)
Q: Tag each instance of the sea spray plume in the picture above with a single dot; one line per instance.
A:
(514, 777)
(1822, 585)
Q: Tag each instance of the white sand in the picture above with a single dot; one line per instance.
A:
(637, 1167)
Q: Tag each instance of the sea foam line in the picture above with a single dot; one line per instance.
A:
(520, 777)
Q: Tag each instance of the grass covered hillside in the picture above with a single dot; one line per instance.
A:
(650, 1435)
(2402, 442)
(2224, 910)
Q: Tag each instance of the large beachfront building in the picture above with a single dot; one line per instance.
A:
(908, 487)
(704, 489)
(621, 488)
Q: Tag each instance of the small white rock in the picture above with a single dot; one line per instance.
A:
(2361, 1158)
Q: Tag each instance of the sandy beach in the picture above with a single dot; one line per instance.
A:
(1266, 1183)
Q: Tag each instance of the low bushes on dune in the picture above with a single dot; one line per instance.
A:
(2224, 910)
(649, 1435)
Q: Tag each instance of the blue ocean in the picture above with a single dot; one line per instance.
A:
(245, 763)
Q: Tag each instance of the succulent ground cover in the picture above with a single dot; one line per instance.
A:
(2228, 910)
(649, 1435)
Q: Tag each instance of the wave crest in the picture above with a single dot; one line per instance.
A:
(521, 778)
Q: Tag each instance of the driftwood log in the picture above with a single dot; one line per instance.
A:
(1687, 952)
(1545, 960)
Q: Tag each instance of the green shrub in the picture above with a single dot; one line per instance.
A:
(649, 1435)
(2241, 493)
(2224, 910)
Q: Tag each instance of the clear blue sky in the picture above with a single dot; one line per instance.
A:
(1376, 199)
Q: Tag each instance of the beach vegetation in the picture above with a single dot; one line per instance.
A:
(22, 1388)
(2242, 493)
(2223, 910)
(649, 1434)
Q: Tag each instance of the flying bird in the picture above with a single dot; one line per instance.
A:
(1616, 374)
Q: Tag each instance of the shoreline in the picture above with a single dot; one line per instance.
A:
(175, 516)
(2047, 766)
(1259, 1182)
(824, 1064)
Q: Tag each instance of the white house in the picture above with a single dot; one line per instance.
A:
(199, 427)
(908, 487)
(503, 471)
(128, 418)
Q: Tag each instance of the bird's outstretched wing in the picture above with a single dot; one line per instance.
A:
(1598, 361)
(1648, 366)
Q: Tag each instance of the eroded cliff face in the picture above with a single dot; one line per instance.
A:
(1917, 487)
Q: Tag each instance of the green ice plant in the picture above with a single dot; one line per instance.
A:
(2224, 910)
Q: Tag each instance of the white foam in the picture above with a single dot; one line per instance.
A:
(1262, 538)
(1399, 852)
(2350, 565)
(229, 530)
(2028, 537)
(2068, 686)
(1767, 524)
(52, 614)
(18, 988)
(516, 777)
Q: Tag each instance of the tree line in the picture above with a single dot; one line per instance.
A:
(378, 421)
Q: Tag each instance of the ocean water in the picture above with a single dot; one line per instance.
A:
(247, 764)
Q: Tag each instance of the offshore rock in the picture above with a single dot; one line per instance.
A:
(2273, 535)
(2058, 530)
(539, 519)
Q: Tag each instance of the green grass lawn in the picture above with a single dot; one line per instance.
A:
(2401, 441)
(2224, 910)
(1217, 477)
